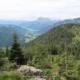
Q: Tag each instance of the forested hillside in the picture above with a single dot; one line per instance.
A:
(58, 48)
(55, 55)
(65, 34)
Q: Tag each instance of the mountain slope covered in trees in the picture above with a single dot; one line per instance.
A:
(59, 48)
(56, 53)
(58, 36)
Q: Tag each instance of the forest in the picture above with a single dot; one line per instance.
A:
(55, 55)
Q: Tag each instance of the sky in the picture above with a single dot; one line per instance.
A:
(32, 9)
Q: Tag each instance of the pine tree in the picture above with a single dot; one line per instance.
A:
(16, 52)
(7, 52)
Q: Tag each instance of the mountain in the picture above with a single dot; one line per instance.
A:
(58, 50)
(26, 30)
(41, 24)
(67, 21)
(75, 21)
(60, 36)
(6, 32)
(37, 24)
(29, 30)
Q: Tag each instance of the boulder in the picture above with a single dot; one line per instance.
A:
(29, 70)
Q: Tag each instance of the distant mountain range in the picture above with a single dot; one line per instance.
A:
(74, 21)
(28, 30)
(37, 25)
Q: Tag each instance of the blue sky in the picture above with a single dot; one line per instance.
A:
(32, 9)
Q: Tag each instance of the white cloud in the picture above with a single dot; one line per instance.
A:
(30, 9)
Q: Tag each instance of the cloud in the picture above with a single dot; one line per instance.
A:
(31, 9)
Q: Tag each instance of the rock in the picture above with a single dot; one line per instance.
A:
(29, 70)
(38, 78)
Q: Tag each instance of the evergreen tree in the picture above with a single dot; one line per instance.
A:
(7, 52)
(16, 52)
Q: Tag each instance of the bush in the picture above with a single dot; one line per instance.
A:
(5, 65)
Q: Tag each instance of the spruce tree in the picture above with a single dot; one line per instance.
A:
(7, 52)
(16, 52)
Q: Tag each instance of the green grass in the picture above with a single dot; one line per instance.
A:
(13, 75)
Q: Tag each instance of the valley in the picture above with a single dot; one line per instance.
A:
(26, 30)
